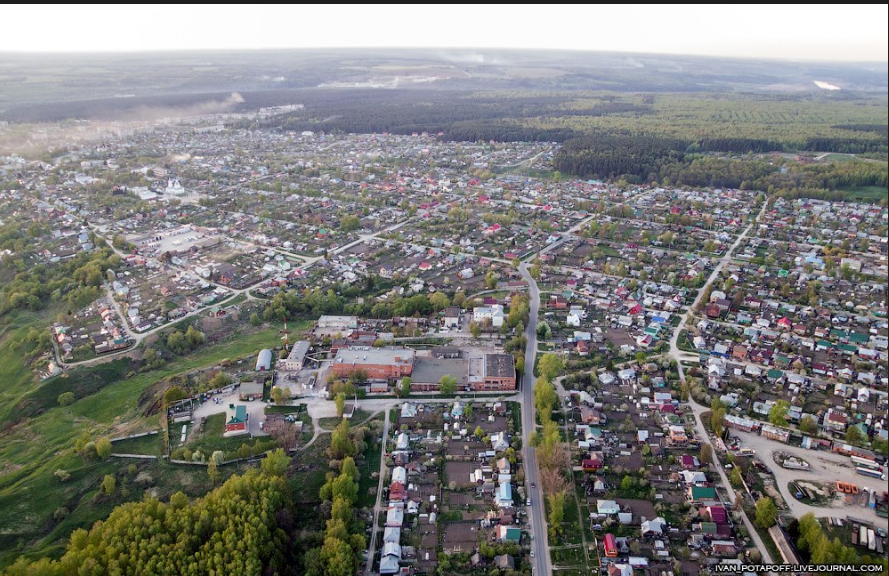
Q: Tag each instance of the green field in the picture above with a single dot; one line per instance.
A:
(145, 445)
(867, 193)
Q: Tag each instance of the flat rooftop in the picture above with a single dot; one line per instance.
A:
(370, 355)
(429, 370)
(499, 365)
(179, 239)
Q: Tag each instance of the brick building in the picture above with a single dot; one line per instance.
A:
(376, 363)
(499, 373)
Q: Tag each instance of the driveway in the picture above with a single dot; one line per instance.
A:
(255, 411)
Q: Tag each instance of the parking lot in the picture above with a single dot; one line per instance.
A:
(255, 411)
(823, 466)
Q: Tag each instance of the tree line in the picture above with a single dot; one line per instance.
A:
(235, 529)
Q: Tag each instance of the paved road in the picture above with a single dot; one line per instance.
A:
(540, 545)
(697, 410)
(365, 237)
(378, 505)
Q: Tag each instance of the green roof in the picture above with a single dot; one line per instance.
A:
(848, 348)
(858, 338)
(703, 493)
(708, 528)
(239, 416)
(513, 534)
(774, 374)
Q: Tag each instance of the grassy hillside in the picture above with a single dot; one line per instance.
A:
(32, 450)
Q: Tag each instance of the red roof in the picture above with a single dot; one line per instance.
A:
(717, 514)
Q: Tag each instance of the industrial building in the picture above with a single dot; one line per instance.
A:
(297, 356)
(338, 322)
(376, 363)
(429, 370)
(492, 372)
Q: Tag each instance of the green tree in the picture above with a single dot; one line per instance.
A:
(109, 484)
(344, 487)
(808, 425)
(404, 388)
(340, 401)
(479, 433)
(766, 512)
(880, 446)
(556, 513)
(550, 366)
(706, 455)
(717, 416)
(736, 477)
(545, 399)
(103, 448)
(627, 484)
(176, 342)
(194, 337)
(439, 301)
(173, 395)
(475, 329)
(778, 412)
(275, 463)
(447, 384)
(341, 511)
(349, 223)
(338, 558)
(349, 468)
(490, 280)
(66, 398)
(340, 443)
(854, 435)
(213, 471)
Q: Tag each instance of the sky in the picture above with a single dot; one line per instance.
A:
(802, 32)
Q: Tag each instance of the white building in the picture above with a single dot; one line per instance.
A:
(494, 313)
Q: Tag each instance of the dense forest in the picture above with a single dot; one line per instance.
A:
(237, 529)
(673, 162)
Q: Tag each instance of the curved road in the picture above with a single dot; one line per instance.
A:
(696, 409)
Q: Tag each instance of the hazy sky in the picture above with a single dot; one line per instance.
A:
(808, 32)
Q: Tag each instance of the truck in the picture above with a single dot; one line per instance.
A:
(866, 463)
(868, 472)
